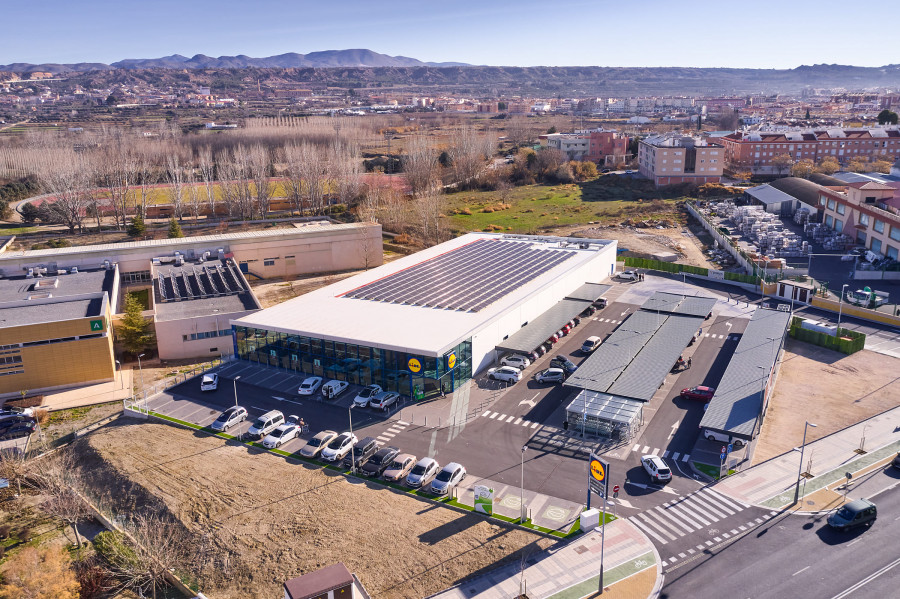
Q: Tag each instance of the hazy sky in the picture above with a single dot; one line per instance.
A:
(764, 34)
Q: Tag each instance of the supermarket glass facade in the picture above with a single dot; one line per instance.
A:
(413, 375)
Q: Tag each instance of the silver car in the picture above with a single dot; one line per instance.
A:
(451, 475)
(422, 472)
(230, 417)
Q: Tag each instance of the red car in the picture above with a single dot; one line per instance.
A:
(700, 393)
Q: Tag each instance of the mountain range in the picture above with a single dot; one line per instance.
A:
(324, 59)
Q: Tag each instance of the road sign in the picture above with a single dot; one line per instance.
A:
(599, 475)
(730, 447)
(615, 491)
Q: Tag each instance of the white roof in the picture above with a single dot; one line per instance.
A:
(423, 330)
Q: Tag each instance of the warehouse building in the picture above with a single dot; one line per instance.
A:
(428, 321)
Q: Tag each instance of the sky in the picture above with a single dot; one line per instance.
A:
(692, 33)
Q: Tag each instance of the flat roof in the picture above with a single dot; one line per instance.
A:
(736, 406)
(75, 295)
(330, 313)
(23, 313)
(603, 406)
(769, 195)
(676, 303)
(80, 283)
(539, 330)
(589, 292)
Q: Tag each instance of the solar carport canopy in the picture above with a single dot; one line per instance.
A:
(674, 303)
(597, 409)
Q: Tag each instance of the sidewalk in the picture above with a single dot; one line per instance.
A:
(116, 390)
(568, 570)
(771, 484)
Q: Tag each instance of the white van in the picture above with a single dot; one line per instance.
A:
(265, 424)
(590, 344)
(711, 435)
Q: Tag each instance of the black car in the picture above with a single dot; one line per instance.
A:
(379, 462)
(17, 421)
(21, 429)
(361, 452)
(563, 362)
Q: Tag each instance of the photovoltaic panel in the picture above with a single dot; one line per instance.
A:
(468, 278)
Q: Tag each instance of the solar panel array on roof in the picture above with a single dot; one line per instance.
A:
(468, 278)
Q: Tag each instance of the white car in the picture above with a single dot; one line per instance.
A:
(310, 385)
(333, 388)
(280, 436)
(628, 275)
(339, 447)
(422, 472)
(520, 362)
(228, 418)
(657, 468)
(363, 398)
(451, 475)
(384, 400)
(209, 382)
(507, 374)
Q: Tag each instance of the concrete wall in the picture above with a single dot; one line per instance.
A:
(851, 310)
(172, 346)
(724, 243)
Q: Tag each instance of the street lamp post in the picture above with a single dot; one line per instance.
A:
(352, 458)
(800, 470)
(235, 390)
(522, 489)
(121, 378)
(837, 331)
(141, 369)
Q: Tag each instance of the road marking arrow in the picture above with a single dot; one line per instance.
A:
(674, 428)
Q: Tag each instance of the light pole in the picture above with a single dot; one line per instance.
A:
(800, 470)
(235, 390)
(522, 489)
(121, 378)
(352, 457)
(837, 331)
(141, 369)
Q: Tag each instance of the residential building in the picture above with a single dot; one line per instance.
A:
(671, 159)
(867, 212)
(596, 145)
(332, 582)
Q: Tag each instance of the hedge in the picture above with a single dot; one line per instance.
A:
(846, 341)
(665, 266)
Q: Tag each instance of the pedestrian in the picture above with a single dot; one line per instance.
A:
(565, 425)
(443, 394)
(689, 362)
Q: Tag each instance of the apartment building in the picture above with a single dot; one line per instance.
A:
(756, 151)
(868, 212)
(671, 159)
(596, 145)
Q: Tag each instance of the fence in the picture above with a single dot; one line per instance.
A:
(160, 386)
(677, 267)
(846, 341)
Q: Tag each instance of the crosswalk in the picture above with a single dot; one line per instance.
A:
(731, 337)
(393, 431)
(672, 455)
(510, 419)
(612, 320)
(698, 511)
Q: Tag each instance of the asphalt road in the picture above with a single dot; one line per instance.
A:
(800, 557)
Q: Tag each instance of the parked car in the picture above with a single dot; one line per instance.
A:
(339, 447)
(629, 172)
(657, 468)
(507, 374)
(628, 275)
(384, 400)
(589, 311)
(551, 375)
(361, 452)
(363, 398)
(334, 388)
(422, 473)
(520, 362)
(310, 385)
(265, 424)
(15, 413)
(563, 362)
(699, 393)
(230, 417)
(605, 171)
(896, 461)
(18, 429)
(298, 422)
(451, 475)
(209, 382)
(858, 512)
(281, 435)
(379, 462)
(590, 344)
(553, 338)
(319, 442)
(16, 420)
(400, 467)
(600, 303)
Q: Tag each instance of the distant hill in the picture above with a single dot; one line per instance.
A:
(325, 59)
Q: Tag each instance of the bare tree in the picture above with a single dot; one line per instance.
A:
(260, 168)
(14, 466)
(175, 177)
(59, 481)
(518, 130)
(240, 156)
(429, 210)
(313, 170)
(345, 168)
(208, 175)
(294, 174)
(194, 193)
(228, 182)
(421, 166)
(66, 177)
(468, 151)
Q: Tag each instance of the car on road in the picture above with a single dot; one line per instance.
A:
(209, 382)
(590, 344)
(507, 374)
(363, 398)
(629, 172)
(265, 424)
(310, 385)
(450, 475)
(551, 375)
(422, 473)
(361, 452)
(334, 388)
(339, 447)
(657, 468)
(379, 462)
(400, 467)
(605, 171)
(858, 512)
(230, 417)
(281, 435)
(319, 442)
(563, 362)
(699, 393)
(627, 275)
(384, 400)
(520, 362)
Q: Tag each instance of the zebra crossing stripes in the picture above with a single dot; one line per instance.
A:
(393, 431)
(611, 320)
(506, 419)
(674, 456)
(729, 337)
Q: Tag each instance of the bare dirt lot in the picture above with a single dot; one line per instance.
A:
(829, 388)
(650, 241)
(274, 519)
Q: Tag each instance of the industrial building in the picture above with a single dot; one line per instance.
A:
(428, 321)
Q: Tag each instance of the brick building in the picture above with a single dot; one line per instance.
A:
(868, 212)
(672, 159)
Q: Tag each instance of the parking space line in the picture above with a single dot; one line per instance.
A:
(675, 456)
(685, 457)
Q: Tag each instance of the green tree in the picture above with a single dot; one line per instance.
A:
(30, 214)
(501, 106)
(137, 227)
(134, 329)
(551, 130)
(807, 117)
(887, 117)
(828, 165)
(175, 229)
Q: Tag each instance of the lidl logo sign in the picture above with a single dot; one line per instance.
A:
(451, 361)
(598, 472)
(96, 325)
(414, 365)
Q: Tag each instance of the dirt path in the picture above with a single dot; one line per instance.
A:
(275, 520)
